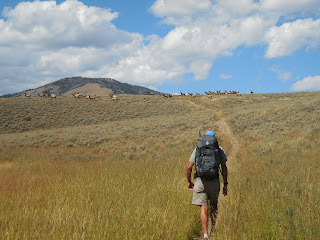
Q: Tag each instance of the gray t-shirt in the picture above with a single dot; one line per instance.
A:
(193, 156)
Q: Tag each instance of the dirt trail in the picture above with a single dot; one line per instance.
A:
(226, 131)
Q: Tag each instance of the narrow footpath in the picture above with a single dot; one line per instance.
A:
(225, 130)
(227, 133)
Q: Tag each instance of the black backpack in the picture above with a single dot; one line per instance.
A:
(207, 157)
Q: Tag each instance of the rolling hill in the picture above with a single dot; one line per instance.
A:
(87, 86)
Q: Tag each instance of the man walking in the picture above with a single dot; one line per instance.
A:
(207, 157)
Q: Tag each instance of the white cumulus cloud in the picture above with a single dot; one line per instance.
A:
(286, 6)
(42, 41)
(308, 83)
(166, 8)
(289, 37)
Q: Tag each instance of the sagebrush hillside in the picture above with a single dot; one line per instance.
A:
(23, 114)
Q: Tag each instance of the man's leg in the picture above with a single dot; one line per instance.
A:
(213, 189)
(204, 218)
(213, 216)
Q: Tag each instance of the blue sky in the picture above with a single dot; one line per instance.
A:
(183, 45)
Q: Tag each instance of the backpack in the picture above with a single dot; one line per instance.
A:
(207, 157)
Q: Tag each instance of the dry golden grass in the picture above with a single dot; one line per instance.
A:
(80, 194)
(274, 190)
(121, 179)
(121, 174)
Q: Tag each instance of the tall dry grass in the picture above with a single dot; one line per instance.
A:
(274, 188)
(122, 176)
(61, 194)
(122, 179)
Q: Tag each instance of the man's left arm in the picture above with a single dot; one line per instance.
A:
(225, 177)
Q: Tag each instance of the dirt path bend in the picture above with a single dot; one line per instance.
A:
(225, 130)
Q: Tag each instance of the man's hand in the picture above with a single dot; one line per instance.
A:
(225, 190)
(190, 186)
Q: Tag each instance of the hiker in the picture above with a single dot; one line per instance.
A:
(207, 157)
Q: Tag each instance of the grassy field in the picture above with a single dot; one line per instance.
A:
(80, 169)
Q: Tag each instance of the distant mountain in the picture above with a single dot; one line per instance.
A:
(89, 86)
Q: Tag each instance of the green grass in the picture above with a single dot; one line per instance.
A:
(122, 176)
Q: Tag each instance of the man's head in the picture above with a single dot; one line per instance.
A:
(210, 133)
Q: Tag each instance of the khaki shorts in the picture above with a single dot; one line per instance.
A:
(205, 190)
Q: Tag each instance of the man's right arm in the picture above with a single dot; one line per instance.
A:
(189, 171)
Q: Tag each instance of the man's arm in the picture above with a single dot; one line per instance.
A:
(225, 178)
(189, 171)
